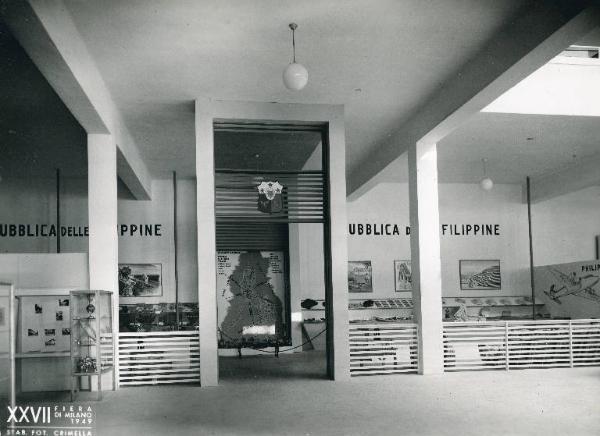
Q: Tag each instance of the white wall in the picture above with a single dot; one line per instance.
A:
(312, 260)
(187, 241)
(26, 201)
(33, 201)
(462, 203)
(73, 213)
(161, 249)
(150, 249)
(459, 204)
(564, 227)
(33, 271)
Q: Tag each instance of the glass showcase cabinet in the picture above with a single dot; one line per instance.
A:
(92, 339)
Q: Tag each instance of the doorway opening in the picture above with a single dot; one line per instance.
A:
(273, 256)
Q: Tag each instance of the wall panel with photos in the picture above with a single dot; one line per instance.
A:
(45, 324)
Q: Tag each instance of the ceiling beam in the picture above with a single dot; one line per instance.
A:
(570, 178)
(536, 35)
(47, 33)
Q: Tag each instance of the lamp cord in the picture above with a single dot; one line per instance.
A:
(294, 44)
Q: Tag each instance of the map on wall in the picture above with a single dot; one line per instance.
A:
(251, 299)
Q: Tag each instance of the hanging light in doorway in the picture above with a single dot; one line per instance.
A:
(486, 183)
(295, 75)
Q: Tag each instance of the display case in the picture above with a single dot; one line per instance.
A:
(92, 339)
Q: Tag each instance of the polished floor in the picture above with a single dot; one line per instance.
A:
(257, 398)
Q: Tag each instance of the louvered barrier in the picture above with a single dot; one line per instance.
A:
(106, 350)
(383, 348)
(234, 236)
(149, 358)
(471, 346)
(236, 196)
(585, 342)
(510, 345)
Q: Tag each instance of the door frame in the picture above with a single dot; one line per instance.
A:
(328, 118)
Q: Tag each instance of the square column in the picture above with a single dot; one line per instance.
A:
(207, 248)
(103, 255)
(336, 243)
(425, 255)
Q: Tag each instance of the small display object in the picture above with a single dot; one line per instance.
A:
(158, 317)
(479, 274)
(402, 275)
(360, 276)
(92, 338)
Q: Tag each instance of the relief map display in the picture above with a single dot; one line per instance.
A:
(251, 299)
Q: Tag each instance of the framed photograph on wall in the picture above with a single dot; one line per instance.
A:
(360, 276)
(140, 280)
(402, 275)
(479, 274)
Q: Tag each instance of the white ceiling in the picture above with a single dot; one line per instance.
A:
(157, 56)
(556, 142)
(381, 59)
(516, 146)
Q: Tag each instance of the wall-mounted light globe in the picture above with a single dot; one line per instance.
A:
(295, 76)
(486, 184)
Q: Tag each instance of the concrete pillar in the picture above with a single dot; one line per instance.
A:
(102, 211)
(207, 266)
(338, 342)
(425, 254)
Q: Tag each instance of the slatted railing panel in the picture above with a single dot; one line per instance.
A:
(543, 345)
(235, 236)
(586, 342)
(106, 350)
(236, 196)
(474, 346)
(383, 349)
(521, 344)
(149, 358)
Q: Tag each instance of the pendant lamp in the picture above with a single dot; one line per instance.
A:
(295, 75)
(486, 183)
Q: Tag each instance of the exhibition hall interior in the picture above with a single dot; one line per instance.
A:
(324, 218)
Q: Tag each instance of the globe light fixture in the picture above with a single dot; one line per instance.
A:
(295, 75)
(486, 183)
